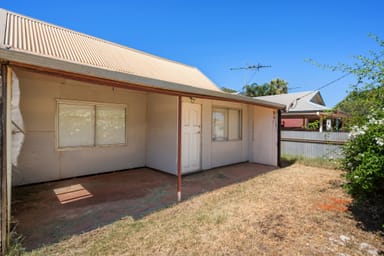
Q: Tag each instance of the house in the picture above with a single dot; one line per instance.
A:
(75, 105)
(305, 110)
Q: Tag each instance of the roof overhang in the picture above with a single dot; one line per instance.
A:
(317, 113)
(98, 75)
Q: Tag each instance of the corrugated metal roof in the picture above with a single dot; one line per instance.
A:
(310, 101)
(32, 43)
(40, 38)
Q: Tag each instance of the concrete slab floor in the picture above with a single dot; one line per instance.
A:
(48, 212)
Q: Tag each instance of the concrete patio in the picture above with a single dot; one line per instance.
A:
(46, 213)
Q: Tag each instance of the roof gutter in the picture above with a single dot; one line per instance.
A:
(93, 74)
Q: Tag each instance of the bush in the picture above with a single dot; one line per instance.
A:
(364, 157)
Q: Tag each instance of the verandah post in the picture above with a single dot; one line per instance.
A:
(179, 138)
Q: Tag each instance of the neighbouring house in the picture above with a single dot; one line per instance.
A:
(306, 110)
(75, 105)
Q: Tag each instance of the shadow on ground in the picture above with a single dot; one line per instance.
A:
(49, 212)
(370, 214)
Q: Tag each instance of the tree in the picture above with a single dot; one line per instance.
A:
(359, 103)
(254, 90)
(364, 152)
(228, 90)
(276, 86)
(367, 94)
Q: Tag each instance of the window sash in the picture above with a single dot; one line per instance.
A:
(226, 124)
(110, 125)
(234, 124)
(86, 124)
(76, 124)
(219, 126)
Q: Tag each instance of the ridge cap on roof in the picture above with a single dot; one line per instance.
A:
(304, 93)
(94, 38)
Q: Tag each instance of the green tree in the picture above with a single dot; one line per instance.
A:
(359, 103)
(276, 86)
(364, 152)
(367, 94)
(254, 90)
(226, 89)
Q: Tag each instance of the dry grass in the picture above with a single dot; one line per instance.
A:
(297, 210)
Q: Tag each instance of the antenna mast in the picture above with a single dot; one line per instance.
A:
(257, 67)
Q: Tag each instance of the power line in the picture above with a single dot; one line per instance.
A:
(326, 85)
(318, 89)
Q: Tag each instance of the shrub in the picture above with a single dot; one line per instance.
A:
(364, 157)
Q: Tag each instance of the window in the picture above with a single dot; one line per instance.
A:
(84, 124)
(226, 124)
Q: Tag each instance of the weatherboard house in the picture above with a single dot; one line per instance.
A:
(74, 105)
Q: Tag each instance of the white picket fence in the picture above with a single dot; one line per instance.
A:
(310, 144)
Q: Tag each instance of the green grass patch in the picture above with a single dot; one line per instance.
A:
(321, 162)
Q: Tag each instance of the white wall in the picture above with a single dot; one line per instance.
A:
(151, 132)
(264, 136)
(219, 153)
(35, 157)
(162, 133)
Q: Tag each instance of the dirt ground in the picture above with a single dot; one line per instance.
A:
(47, 213)
(245, 209)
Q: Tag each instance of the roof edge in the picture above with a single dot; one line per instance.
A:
(90, 71)
(3, 24)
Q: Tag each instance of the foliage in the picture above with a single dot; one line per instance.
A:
(368, 92)
(364, 157)
(15, 247)
(226, 89)
(321, 162)
(276, 86)
(364, 152)
(359, 103)
(314, 125)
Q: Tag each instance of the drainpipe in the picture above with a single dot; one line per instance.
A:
(179, 118)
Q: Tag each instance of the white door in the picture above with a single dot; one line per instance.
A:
(191, 139)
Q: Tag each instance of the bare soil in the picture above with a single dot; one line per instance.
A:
(296, 210)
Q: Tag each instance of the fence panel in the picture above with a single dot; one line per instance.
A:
(310, 144)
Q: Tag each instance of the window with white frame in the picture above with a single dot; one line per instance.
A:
(86, 124)
(226, 124)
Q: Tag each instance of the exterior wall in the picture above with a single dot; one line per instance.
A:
(35, 155)
(264, 138)
(219, 153)
(229, 152)
(293, 122)
(162, 133)
(151, 132)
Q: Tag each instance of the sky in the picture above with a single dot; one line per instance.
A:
(217, 36)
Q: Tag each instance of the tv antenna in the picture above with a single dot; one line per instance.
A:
(257, 67)
(250, 67)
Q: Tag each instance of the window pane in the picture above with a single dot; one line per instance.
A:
(219, 119)
(234, 124)
(76, 125)
(110, 125)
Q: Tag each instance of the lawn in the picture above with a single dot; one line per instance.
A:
(296, 210)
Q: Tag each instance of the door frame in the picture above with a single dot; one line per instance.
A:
(185, 105)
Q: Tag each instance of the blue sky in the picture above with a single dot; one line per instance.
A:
(215, 36)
